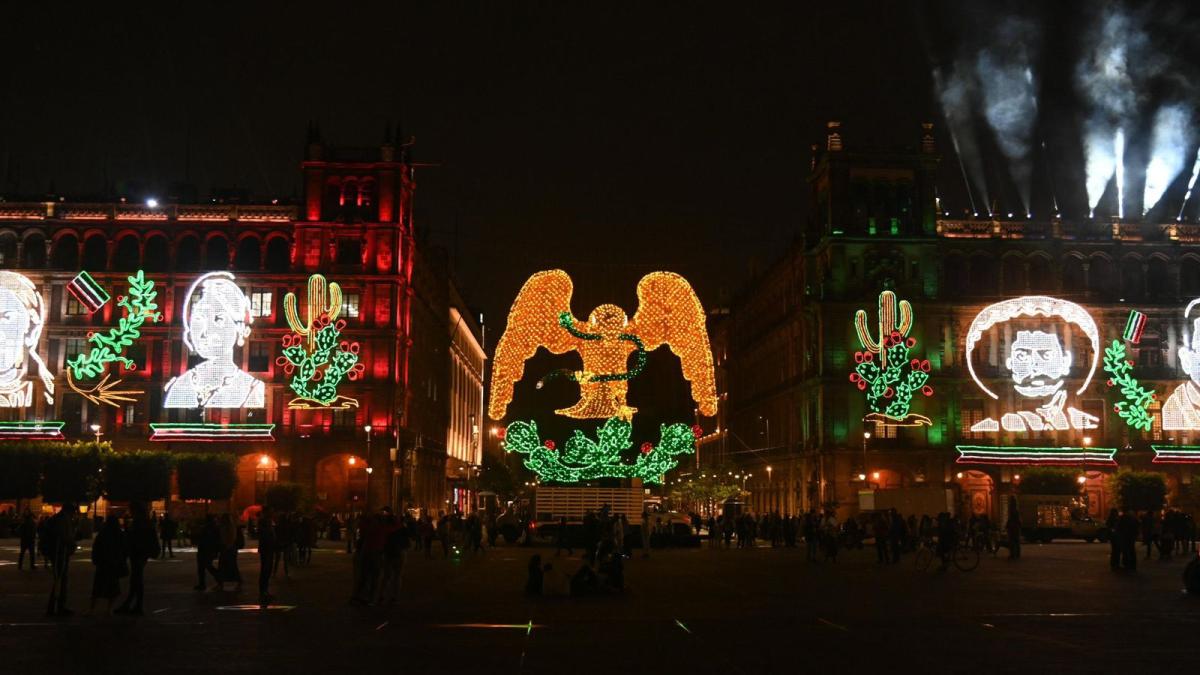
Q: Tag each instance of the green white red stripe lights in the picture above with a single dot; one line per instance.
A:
(211, 432)
(1134, 325)
(1176, 454)
(88, 292)
(1024, 456)
(32, 431)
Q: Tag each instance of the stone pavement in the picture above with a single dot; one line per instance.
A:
(1059, 608)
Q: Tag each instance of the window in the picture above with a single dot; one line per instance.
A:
(74, 308)
(260, 356)
(884, 430)
(344, 418)
(260, 303)
(73, 347)
(350, 305)
(972, 414)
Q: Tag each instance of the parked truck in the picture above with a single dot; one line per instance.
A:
(1048, 517)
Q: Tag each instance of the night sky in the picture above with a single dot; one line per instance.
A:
(610, 139)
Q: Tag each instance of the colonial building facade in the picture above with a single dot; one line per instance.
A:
(381, 441)
(797, 421)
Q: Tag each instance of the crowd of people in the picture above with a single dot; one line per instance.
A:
(380, 541)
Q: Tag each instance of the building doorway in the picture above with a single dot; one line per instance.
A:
(341, 485)
(978, 491)
(256, 472)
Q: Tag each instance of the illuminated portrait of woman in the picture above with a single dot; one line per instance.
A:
(22, 317)
(216, 319)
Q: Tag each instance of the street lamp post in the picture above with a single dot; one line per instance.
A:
(866, 437)
(96, 430)
(367, 429)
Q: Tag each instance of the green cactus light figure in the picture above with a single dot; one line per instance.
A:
(892, 379)
(315, 356)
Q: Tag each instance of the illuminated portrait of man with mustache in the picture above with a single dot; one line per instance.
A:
(1037, 364)
(1181, 412)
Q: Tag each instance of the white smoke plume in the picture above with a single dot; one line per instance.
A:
(1009, 92)
(1169, 144)
(956, 94)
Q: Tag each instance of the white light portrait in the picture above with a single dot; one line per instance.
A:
(216, 320)
(22, 317)
(1038, 364)
(1181, 412)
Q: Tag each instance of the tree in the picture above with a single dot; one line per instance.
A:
(206, 476)
(1045, 480)
(20, 471)
(284, 497)
(703, 494)
(138, 476)
(71, 473)
(1138, 490)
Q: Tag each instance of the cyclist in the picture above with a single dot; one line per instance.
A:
(947, 531)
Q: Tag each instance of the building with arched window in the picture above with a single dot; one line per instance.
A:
(353, 226)
(788, 346)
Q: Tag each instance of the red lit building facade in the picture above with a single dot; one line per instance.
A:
(353, 226)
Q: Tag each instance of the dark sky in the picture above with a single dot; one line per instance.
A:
(610, 139)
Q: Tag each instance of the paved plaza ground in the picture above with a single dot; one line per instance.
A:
(725, 611)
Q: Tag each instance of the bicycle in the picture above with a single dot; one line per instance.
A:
(965, 558)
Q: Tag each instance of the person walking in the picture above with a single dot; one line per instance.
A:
(267, 548)
(28, 533)
(141, 545)
(811, 535)
(108, 558)
(1148, 532)
(58, 547)
(208, 547)
(880, 530)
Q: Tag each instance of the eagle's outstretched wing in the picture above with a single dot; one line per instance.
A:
(670, 313)
(533, 322)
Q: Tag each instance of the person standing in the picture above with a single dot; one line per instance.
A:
(1148, 532)
(646, 535)
(351, 532)
(561, 540)
(896, 535)
(1012, 527)
(28, 534)
(880, 530)
(169, 529)
(267, 545)
(108, 558)
(1114, 539)
(395, 545)
(227, 559)
(142, 545)
(58, 547)
(1127, 532)
(208, 547)
(811, 538)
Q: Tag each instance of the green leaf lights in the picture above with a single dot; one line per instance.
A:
(139, 306)
(1134, 408)
(583, 458)
(891, 381)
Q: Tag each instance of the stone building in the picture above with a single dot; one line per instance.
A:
(383, 440)
(789, 346)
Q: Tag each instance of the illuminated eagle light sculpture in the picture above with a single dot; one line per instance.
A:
(668, 313)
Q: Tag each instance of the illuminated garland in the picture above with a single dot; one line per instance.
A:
(568, 322)
(139, 305)
(1176, 454)
(316, 352)
(1137, 398)
(891, 383)
(210, 432)
(585, 459)
(1021, 455)
(32, 431)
